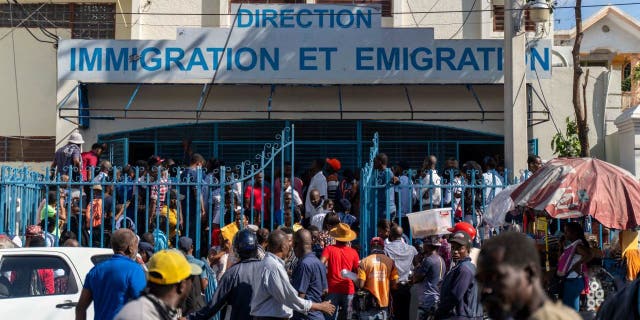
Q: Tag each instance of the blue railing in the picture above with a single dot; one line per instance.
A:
(188, 201)
(196, 201)
(392, 195)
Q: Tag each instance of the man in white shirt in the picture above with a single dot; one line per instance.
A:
(318, 182)
(491, 179)
(430, 192)
(406, 192)
(273, 295)
(317, 210)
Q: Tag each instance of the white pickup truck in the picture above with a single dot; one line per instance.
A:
(45, 283)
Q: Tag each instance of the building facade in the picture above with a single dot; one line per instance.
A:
(450, 115)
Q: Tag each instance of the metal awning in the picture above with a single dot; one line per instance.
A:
(188, 102)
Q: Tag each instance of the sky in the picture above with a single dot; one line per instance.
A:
(565, 18)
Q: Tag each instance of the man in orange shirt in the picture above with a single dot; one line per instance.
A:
(376, 274)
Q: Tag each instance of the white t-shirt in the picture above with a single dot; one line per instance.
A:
(318, 182)
(318, 219)
(494, 182)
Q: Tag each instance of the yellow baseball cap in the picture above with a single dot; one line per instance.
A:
(170, 267)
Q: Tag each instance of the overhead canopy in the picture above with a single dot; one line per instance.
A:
(219, 102)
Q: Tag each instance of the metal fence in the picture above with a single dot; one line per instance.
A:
(172, 201)
(392, 193)
(193, 200)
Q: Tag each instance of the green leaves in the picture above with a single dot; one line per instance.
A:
(567, 145)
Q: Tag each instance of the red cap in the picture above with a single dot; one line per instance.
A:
(465, 227)
(377, 241)
(155, 160)
(334, 163)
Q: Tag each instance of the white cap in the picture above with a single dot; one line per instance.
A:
(76, 138)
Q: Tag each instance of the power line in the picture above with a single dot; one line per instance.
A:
(215, 73)
(59, 22)
(465, 20)
(21, 22)
(15, 78)
(379, 13)
(43, 29)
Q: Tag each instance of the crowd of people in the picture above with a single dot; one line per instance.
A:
(278, 275)
(169, 198)
(307, 266)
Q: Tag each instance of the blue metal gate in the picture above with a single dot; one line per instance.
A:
(201, 198)
(389, 195)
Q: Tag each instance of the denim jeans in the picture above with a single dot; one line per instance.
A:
(343, 306)
(380, 314)
(571, 292)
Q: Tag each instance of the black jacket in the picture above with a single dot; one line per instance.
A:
(234, 290)
(622, 305)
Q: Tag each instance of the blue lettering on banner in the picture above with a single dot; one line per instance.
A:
(304, 58)
(345, 14)
(240, 19)
(176, 60)
(286, 18)
(360, 57)
(304, 18)
(440, 58)
(166, 59)
(90, 63)
(273, 60)
(157, 62)
(327, 58)
(301, 14)
(252, 59)
(427, 62)
(118, 64)
(321, 13)
(537, 58)
(216, 56)
(468, 59)
(485, 54)
(197, 59)
(270, 16)
(390, 61)
(73, 59)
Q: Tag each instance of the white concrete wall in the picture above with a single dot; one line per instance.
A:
(37, 88)
(35, 68)
(162, 26)
(628, 124)
(620, 38)
(446, 24)
(558, 93)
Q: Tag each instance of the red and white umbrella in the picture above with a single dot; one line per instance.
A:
(575, 187)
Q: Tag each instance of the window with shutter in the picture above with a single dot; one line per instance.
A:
(498, 20)
(385, 4)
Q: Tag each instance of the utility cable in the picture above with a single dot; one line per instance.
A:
(21, 22)
(215, 72)
(15, 73)
(464, 21)
(392, 13)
